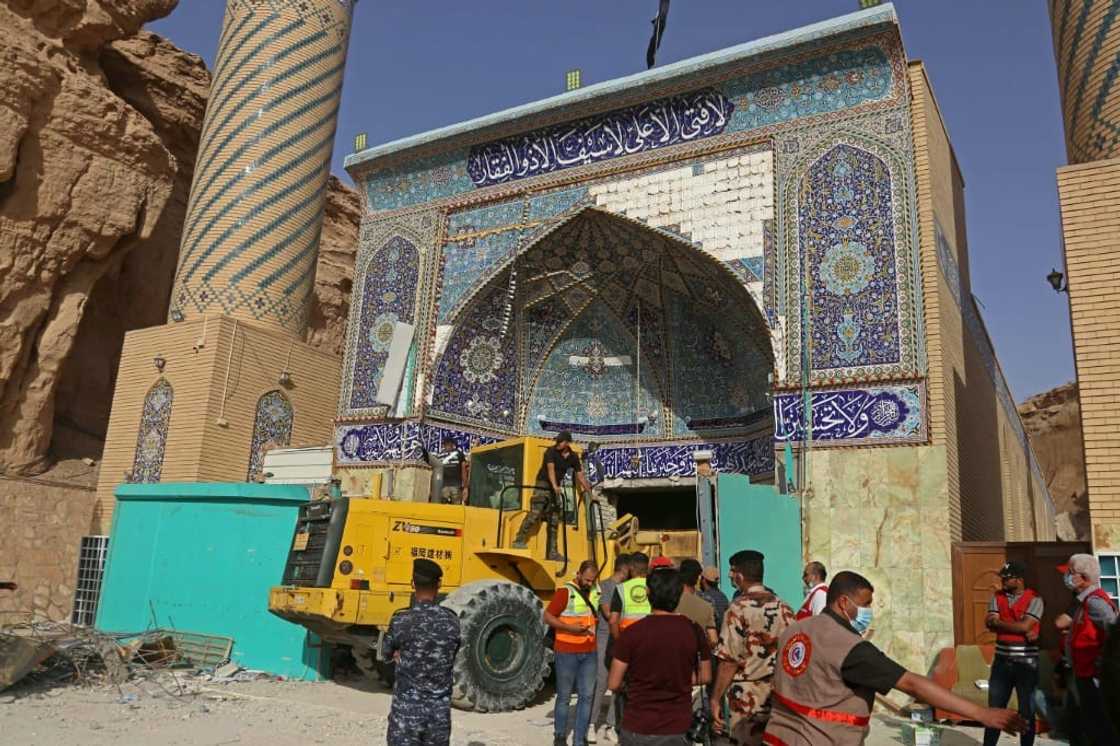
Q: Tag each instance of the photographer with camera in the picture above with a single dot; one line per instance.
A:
(660, 657)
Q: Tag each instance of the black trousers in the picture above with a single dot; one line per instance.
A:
(1095, 723)
(1018, 675)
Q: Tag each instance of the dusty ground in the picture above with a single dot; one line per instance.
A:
(268, 713)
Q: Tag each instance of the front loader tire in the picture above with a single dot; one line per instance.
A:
(503, 660)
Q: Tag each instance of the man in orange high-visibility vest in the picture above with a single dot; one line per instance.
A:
(572, 614)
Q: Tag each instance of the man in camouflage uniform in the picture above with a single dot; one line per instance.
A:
(423, 640)
(747, 650)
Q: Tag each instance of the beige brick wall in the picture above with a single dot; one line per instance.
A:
(933, 158)
(41, 526)
(237, 364)
(993, 491)
(1091, 237)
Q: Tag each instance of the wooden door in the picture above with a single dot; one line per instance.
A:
(975, 578)
(976, 567)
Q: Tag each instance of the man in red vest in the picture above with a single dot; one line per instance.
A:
(816, 590)
(1014, 615)
(1088, 630)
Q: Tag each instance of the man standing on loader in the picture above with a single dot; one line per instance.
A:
(423, 640)
(547, 500)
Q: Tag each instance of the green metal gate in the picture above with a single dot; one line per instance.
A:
(757, 516)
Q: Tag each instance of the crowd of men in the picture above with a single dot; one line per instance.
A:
(765, 674)
(656, 655)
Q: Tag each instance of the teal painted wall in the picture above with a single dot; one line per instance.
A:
(201, 558)
(757, 516)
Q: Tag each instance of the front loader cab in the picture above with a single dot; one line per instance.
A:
(503, 477)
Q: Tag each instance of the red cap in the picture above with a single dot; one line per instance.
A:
(661, 561)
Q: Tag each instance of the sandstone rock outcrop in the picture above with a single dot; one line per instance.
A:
(1053, 422)
(334, 274)
(99, 124)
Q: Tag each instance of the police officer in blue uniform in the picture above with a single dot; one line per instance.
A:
(423, 640)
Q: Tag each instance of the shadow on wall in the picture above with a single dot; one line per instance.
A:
(978, 452)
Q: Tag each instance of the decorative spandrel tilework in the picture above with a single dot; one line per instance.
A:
(388, 297)
(719, 205)
(814, 84)
(589, 382)
(272, 428)
(476, 376)
(820, 85)
(151, 439)
(867, 414)
(550, 204)
(652, 125)
(719, 372)
(418, 181)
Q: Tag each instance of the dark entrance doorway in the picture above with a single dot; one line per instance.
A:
(668, 508)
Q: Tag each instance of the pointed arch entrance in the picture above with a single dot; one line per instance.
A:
(610, 329)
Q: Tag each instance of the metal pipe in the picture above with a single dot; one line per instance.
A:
(225, 386)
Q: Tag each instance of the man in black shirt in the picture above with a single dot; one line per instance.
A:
(547, 501)
(455, 480)
(827, 677)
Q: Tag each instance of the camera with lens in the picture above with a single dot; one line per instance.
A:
(701, 728)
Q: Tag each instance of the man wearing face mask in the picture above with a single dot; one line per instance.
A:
(748, 643)
(827, 677)
(1086, 634)
(1014, 614)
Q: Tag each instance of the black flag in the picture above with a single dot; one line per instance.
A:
(658, 30)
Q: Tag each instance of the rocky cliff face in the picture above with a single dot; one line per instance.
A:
(1053, 422)
(99, 124)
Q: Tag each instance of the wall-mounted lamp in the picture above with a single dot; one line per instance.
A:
(1055, 279)
(159, 361)
(176, 315)
(285, 378)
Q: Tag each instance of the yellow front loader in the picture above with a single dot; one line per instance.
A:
(350, 568)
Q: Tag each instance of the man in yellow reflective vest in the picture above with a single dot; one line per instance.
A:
(571, 613)
(631, 599)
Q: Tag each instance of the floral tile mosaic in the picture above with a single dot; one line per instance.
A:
(272, 428)
(394, 277)
(388, 297)
(151, 440)
(848, 246)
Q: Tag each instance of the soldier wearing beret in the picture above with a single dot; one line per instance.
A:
(423, 640)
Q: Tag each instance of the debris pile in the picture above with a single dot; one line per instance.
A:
(46, 653)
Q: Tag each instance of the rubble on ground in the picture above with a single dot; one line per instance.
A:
(47, 653)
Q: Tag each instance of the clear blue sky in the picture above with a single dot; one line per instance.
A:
(414, 66)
